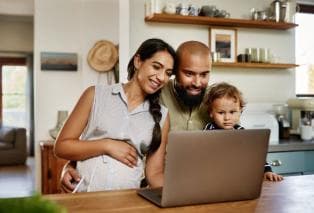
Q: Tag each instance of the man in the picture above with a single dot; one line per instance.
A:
(183, 96)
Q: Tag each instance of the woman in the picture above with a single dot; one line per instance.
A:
(113, 128)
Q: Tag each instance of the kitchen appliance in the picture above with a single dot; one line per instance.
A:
(261, 120)
(302, 113)
(287, 11)
(275, 8)
(282, 10)
(281, 113)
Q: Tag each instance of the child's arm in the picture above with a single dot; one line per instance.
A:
(272, 176)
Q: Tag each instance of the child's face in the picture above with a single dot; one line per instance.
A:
(225, 112)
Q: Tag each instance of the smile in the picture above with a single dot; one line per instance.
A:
(194, 91)
(155, 84)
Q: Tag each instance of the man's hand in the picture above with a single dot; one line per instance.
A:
(69, 178)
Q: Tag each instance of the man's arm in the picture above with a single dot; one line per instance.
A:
(69, 177)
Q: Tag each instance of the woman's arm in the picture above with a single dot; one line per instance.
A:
(155, 162)
(69, 146)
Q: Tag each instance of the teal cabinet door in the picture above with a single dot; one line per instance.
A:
(309, 162)
(287, 163)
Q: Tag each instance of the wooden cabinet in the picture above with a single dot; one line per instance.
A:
(292, 163)
(51, 168)
(229, 22)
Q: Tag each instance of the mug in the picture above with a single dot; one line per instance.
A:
(208, 10)
(158, 6)
(216, 56)
(255, 55)
(306, 132)
(244, 58)
(184, 9)
(170, 8)
(194, 10)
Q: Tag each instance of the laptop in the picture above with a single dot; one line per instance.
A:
(211, 166)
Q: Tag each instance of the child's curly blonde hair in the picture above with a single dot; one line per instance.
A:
(223, 89)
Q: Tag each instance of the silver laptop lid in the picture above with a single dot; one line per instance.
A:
(214, 166)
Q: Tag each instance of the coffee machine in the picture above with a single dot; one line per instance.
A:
(302, 113)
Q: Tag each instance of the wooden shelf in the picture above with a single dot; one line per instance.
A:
(255, 65)
(224, 22)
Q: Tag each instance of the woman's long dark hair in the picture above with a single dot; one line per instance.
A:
(147, 49)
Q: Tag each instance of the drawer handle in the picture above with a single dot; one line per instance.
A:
(275, 163)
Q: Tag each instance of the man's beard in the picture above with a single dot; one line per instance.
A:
(187, 99)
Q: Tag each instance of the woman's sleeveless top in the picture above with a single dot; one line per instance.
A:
(110, 118)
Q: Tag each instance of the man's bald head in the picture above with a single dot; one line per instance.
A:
(193, 65)
(192, 49)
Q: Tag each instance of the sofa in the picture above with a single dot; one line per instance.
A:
(12, 146)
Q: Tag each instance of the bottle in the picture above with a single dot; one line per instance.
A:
(276, 7)
(148, 8)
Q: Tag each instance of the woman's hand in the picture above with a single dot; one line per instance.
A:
(122, 151)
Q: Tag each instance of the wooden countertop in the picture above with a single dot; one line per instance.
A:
(293, 194)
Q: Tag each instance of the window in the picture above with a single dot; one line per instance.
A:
(305, 51)
(13, 85)
(14, 96)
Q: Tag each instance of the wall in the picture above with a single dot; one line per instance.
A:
(17, 7)
(16, 24)
(16, 34)
(257, 85)
(67, 26)
(311, 2)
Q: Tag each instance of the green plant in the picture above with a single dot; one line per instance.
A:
(31, 204)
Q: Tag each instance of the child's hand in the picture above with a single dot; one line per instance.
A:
(272, 176)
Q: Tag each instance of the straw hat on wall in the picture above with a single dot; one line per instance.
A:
(103, 56)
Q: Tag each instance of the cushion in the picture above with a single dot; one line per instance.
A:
(7, 134)
(6, 146)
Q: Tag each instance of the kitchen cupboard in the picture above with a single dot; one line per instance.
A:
(229, 22)
(292, 163)
(309, 162)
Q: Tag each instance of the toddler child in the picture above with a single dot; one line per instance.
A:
(225, 105)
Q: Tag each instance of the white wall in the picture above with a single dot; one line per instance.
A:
(258, 85)
(16, 26)
(17, 7)
(311, 2)
(67, 26)
(16, 34)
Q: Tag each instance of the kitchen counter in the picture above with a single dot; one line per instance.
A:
(293, 194)
(292, 144)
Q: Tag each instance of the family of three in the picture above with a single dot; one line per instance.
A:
(117, 135)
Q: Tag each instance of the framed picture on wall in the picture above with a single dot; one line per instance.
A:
(224, 42)
(56, 61)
